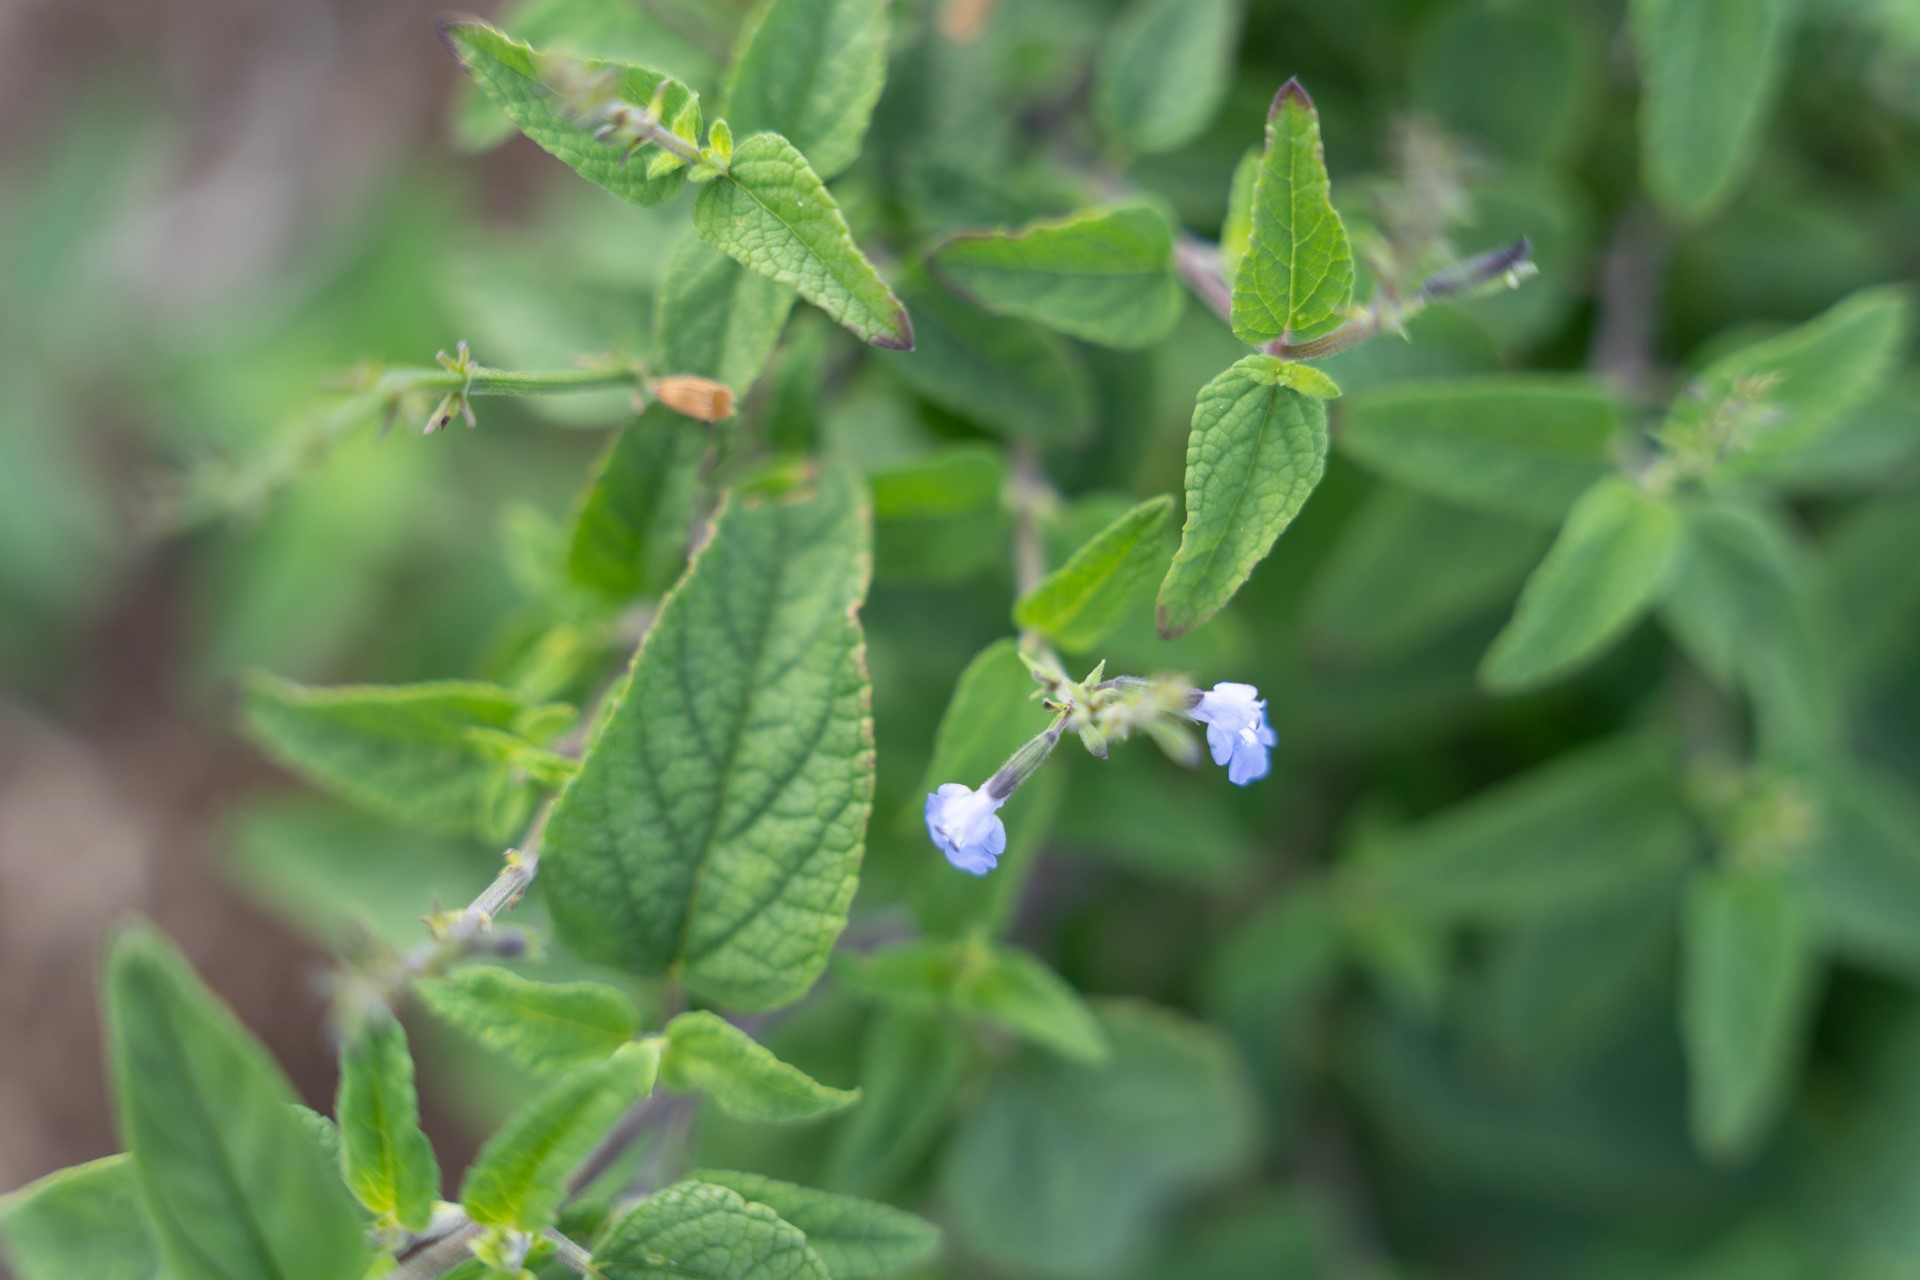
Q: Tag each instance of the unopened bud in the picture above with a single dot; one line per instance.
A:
(699, 398)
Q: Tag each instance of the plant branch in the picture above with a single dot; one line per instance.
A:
(569, 1253)
(1198, 263)
(1030, 496)
(1632, 275)
(439, 1256)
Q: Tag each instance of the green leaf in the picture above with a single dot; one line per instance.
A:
(1066, 1168)
(1296, 280)
(1164, 72)
(1530, 94)
(1257, 450)
(519, 1178)
(707, 1054)
(1710, 70)
(1747, 977)
(1576, 832)
(1274, 965)
(1013, 378)
(1236, 231)
(941, 517)
(1612, 562)
(388, 1162)
(855, 1239)
(697, 1231)
(911, 1069)
(1761, 405)
(235, 1185)
(86, 1221)
(1861, 881)
(1516, 445)
(716, 825)
(812, 70)
(1078, 604)
(981, 979)
(1407, 570)
(1742, 607)
(631, 524)
(1556, 986)
(717, 318)
(532, 88)
(414, 754)
(594, 28)
(1104, 277)
(771, 213)
(544, 1026)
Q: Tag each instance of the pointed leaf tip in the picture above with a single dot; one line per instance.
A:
(1292, 91)
(904, 340)
(443, 27)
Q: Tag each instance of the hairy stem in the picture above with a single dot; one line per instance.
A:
(569, 1253)
(438, 1256)
(482, 381)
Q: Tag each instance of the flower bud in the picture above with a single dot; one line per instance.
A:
(697, 397)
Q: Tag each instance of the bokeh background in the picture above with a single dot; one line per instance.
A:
(207, 206)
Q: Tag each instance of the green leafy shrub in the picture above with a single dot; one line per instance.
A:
(1547, 588)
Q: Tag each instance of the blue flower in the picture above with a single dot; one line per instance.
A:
(1237, 732)
(965, 826)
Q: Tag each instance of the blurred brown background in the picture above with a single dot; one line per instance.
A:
(276, 123)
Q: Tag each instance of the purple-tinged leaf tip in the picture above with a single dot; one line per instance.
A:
(902, 341)
(443, 27)
(1291, 92)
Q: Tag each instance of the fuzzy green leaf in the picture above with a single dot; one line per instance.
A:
(1079, 603)
(1710, 70)
(1408, 570)
(716, 825)
(1742, 607)
(1761, 405)
(519, 1178)
(86, 1221)
(1009, 376)
(697, 1231)
(1862, 880)
(1236, 231)
(978, 979)
(1063, 1168)
(1524, 446)
(707, 1054)
(1164, 71)
(589, 28)
(771, 213)
(940, 517)
(544, 1026)
(856, 1239)
(630, 527)
(812, 70)
(1582, 830)
(911, 1068)
(388, 1162)
(235, 1185)
(1104, 277)
(1296, 280)
(1748, 975)
(420, 754)
(533, 88)
(1612, 562)
(717, 318)
(1257, 450)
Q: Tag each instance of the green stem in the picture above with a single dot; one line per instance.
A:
(508, 382)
